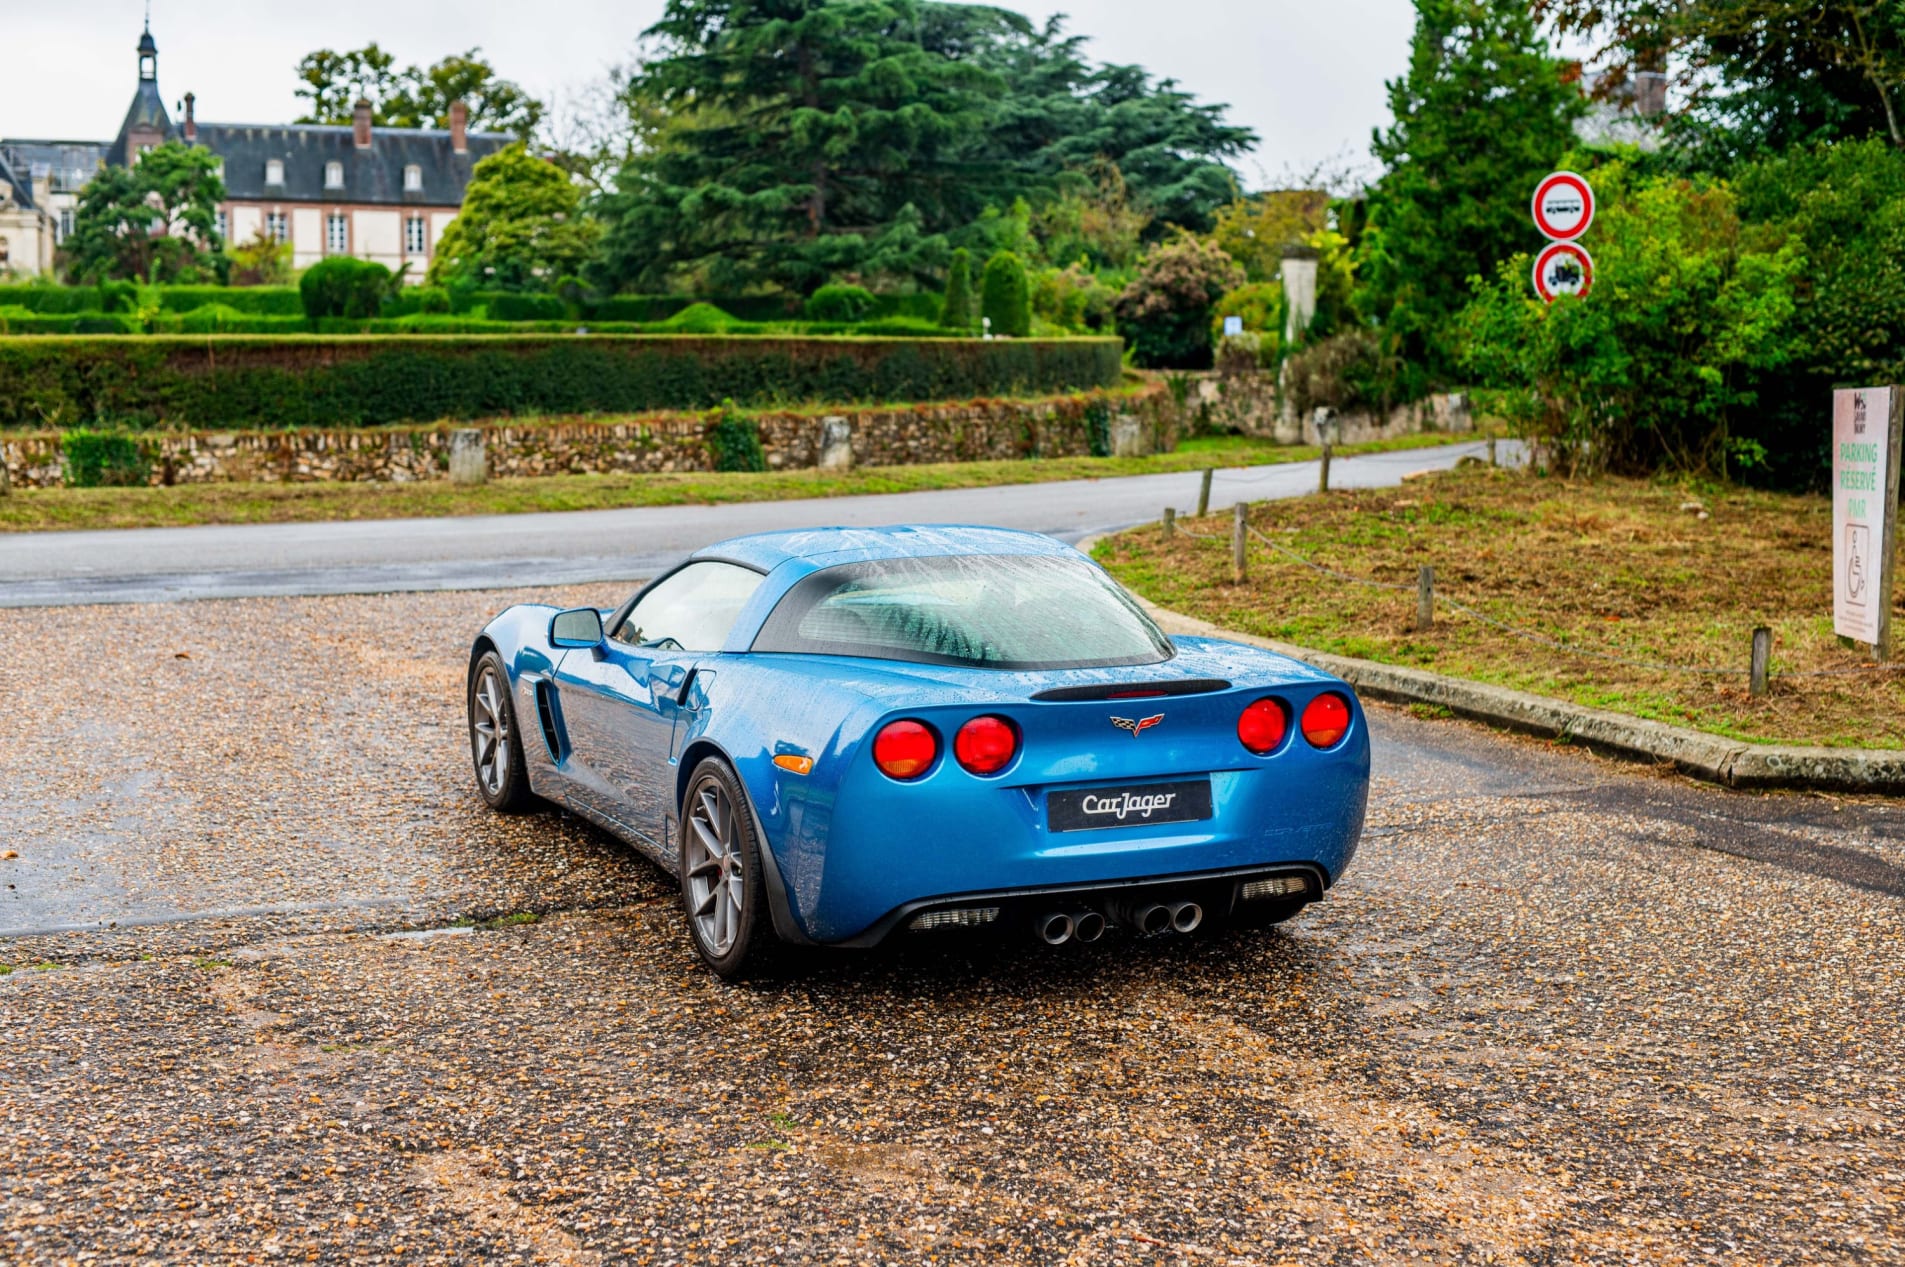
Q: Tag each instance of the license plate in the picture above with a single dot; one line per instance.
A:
(1102, 808)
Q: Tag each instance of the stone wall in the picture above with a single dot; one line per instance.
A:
(1251, 404)
(1140, 421)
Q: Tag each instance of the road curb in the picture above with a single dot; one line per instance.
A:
(1710, 757)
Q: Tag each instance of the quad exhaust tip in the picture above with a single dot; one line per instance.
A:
(1055, 929)
(1186, 916)
(1087, 926)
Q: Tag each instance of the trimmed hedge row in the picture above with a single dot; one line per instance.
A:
(314, 381)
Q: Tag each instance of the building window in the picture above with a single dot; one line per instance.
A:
(413, 179)
(274, 171)
(334, 175)
(6, 252)
(413, 239)
(66, 223)
(337, 238)
(274, 226)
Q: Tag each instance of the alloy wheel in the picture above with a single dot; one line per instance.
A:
(716, 875)
(489, 731)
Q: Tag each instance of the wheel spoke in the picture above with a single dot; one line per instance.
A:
(708, 840)
(706, 906)
(702, 870)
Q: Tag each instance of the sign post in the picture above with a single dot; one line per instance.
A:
(1563, 209)
(1868, 426)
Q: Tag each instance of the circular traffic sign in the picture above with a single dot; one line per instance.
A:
(1563, 206)
(1565, 268)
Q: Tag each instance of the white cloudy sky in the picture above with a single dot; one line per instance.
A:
(1305, 74)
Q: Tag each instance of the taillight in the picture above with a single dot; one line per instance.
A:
(1263, 726)
(1326, 721)
(986, 745)
(905, 749)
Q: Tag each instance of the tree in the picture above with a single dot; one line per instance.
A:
(413, 97)
(1759, 75)
(261, 261)
(155, 221)
(1484, 111)
(957, 312)
(341, 286)
(820, 136)
(1006, 297)
(520, 228)
(1256, 231)
(1166, 311)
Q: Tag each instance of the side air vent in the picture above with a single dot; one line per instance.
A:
(546, 715)
(1132, 690)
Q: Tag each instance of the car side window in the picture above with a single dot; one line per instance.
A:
(695, 609)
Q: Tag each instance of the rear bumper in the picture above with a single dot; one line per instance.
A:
(1217, 892)
(886, 851)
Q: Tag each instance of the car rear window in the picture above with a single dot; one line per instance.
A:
(987, 611)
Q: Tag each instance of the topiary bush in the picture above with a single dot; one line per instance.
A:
(734, 442)
(344, 287)
(1166, 310)
(956, 313)
(1006, 299)
(104, 459)
(847, 304)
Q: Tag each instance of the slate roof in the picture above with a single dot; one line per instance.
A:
(374, 175)
(69, 164)
(146, 113)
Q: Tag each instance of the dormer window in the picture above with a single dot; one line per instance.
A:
(274, 171)
(413, 179)
(334, 175)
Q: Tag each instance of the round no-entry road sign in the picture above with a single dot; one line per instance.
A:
(1564, 207)
(1565, 268)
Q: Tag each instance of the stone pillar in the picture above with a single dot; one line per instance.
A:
(1299, 297)
(6, 477)
(836, 444)
(469, 458)
(1128, 438)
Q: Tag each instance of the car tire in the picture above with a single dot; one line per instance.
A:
(723, 889)
(496, 741)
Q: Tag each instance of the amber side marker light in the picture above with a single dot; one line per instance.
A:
(905, 750)
(796, 765)
(1326, 720)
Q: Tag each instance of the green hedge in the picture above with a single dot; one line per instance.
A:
(258, 301)
(27, 321)
(226, 381)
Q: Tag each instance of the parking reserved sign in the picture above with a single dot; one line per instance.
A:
(1866, 427)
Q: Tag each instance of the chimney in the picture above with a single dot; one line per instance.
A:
(1650, 93)
(189, 129)
(459, 127)
(360, 123)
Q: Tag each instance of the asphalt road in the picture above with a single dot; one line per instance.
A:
(1560, 1010)
(498, 551)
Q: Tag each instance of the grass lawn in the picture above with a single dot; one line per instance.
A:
(1654, 572)
(39, 509)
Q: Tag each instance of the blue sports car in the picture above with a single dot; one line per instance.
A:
(836, 735)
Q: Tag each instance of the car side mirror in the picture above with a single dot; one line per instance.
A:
(579, 628)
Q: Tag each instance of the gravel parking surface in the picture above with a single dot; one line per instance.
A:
(1561, 1011)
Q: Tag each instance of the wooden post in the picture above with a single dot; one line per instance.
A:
(1425, 599)
(1491, 452)
(1762, 659)
(6, 479)
(1239, 535)
(1323, 473)
(1203, 493)
(1170, 523)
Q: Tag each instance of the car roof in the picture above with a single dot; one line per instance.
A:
(829, 547)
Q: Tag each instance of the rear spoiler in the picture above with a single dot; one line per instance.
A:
(1132, 690)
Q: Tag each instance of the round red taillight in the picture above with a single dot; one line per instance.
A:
(986, 745)
(1326, 721)
(905, 749)
(1263, 726)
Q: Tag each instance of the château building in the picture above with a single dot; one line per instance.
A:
(383, 194)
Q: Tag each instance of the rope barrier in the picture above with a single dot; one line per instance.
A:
(1527, 634)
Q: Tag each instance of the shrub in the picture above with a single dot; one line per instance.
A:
(1166, 310)
(1071, 299)
(1260, 304)
(698, 319)
(104, 459)
(1346, 371)
(509, 306)
(433, 299)
(1006, 300)
(957, 311)
(840, 303)
(1243, 353)
(225, 319)
(1652, 366)
(1098, 429)
(317, 380)
(260, 301)
(734, 442)
(343, 287)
